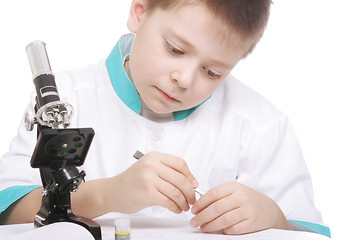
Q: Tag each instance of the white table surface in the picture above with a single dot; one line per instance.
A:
(142, 229)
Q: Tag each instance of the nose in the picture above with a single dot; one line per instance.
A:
(183, 77)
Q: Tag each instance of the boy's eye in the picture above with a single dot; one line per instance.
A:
(173, 49)
(211, 74)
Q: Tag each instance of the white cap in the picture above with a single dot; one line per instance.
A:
(122, 225)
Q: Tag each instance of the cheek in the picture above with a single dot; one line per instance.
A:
(148, 68)
(155, 69)
(142, 71)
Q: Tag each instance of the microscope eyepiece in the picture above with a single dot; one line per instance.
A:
(51, 111)
(38, 58)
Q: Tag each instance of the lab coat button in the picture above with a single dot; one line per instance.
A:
(156, 136)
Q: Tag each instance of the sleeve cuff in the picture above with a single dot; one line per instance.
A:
(11, 194)
(310, 227)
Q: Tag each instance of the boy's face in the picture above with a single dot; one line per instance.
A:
(176, 60)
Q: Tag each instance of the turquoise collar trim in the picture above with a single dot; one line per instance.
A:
(121, 83)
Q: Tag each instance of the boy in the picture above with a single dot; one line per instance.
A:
(166, 90)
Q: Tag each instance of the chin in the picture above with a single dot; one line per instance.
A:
(159, 109)
(162, 111)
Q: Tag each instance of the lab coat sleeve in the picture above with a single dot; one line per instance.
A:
(17, 177)
(278, 170)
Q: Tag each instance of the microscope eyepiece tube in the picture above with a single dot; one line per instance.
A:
(43, 77)
(38, 58)
(50, 111)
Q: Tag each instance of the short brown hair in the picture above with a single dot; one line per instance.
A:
(245, 19)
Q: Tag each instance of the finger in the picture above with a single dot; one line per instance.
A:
(173, 193)
(179, 181)
(163, 166)
(215, 210)
(163, 201)
(151, 186)
(180, 166)
(210, 197)
(242, 227)
(226, 221)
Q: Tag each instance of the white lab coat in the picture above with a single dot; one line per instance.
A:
(236, 135)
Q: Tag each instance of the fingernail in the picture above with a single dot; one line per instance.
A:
(179, 210)
(194, 210)
(195, 183)
(187, 208)
(193, 223)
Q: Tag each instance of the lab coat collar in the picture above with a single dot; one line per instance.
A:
(121, 83)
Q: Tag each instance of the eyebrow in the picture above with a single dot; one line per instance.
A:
(180, 38)
(190, 45)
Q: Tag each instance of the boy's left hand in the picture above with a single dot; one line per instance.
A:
(234, 208)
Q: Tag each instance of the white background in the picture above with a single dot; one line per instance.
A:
(307, 64)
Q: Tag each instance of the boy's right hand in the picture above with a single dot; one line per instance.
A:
(156, 179)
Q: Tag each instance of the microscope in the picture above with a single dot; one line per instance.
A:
(59, 150)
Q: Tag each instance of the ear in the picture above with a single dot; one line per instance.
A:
(137, 11)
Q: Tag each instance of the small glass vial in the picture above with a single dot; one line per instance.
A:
(122, 229)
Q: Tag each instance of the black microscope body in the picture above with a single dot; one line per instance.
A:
(59, 150)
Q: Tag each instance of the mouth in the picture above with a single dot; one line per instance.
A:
(167, 97)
